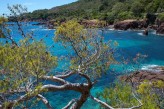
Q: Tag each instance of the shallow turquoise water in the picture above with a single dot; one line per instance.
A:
(130, 43)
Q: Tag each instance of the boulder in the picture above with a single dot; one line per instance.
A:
(131, 24)
(160, 30)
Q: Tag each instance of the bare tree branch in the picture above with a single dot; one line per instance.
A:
(110, 107)
(45, 101)
(140, 103)
(66, 75)
(82, 99)
(101, 102)
(55, 79)
(87, 77)
(84, 75)
(69, 104)
(48, 88)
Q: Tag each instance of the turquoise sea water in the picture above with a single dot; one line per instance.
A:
(130, 44)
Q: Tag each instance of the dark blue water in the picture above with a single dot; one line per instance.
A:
(130, 44)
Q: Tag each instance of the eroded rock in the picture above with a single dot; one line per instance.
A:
(131, 24)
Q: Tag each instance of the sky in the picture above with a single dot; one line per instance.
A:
(32, 4)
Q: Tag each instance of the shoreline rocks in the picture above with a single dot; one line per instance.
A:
(154, 74)
(160, 30)
(139, 24)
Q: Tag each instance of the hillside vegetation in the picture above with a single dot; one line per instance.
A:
(108, 10)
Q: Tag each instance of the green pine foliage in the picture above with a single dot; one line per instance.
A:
(149, 93)
(19, 63)
(119, 96)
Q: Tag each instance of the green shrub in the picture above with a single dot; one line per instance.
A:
(161, 16)
(120, 95)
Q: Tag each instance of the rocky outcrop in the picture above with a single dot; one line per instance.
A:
(145, 32)
(155, 74)
(131, 24)
(50, 24)
(160, 30)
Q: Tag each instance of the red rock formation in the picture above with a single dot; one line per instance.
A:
(160, 30)
(143, 75)
(131, 24)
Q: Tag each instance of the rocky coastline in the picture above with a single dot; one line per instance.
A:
(150, 22)
(153, 74)
(47, 24)
(137, 25)
(132, 24)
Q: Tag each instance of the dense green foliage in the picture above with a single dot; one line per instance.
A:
(83, 43)
(161, 17)
(23, 62)
(109, 10)
(121, 95)
(21, 66)
(150, 97)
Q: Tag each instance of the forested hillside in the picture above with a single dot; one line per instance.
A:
(109, 10)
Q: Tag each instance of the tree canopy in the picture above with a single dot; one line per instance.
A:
(109, 10)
